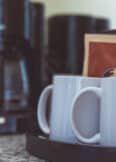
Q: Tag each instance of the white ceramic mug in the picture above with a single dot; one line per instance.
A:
(107, 95)
(63, 91)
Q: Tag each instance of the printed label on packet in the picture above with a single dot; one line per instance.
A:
(110, 72)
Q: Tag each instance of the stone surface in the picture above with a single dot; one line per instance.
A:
(12, 149)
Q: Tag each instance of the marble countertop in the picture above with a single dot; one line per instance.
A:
(13, 149)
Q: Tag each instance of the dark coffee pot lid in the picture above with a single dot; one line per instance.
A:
(36, 24)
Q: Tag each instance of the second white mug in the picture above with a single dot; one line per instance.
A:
(106, 136)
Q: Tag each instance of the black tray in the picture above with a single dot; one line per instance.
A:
(51, 151)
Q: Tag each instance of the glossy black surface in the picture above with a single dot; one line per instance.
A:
(36, 42)
(51, 151)
(36, 25)
(26, 19)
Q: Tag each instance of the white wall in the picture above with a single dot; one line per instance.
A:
(104, 8)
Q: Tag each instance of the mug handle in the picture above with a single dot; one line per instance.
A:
(96, 137)
(41, 110)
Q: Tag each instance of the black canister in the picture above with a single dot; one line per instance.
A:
(66, 43)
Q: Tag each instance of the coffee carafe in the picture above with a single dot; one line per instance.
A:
(14, 75)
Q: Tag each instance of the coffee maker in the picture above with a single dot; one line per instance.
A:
(14, 82)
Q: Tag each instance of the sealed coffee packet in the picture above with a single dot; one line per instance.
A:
(100, 55)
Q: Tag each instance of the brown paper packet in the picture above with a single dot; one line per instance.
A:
(100, 55)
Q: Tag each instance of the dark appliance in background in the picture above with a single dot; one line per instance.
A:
(65, 51)
(102, 25)
(66, 44)
(35, 57)
(14, 86)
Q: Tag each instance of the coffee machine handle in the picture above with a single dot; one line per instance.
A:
(96, 138)
(41, 110)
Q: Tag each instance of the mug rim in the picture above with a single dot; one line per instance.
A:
(81, 76)
(58, 76)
